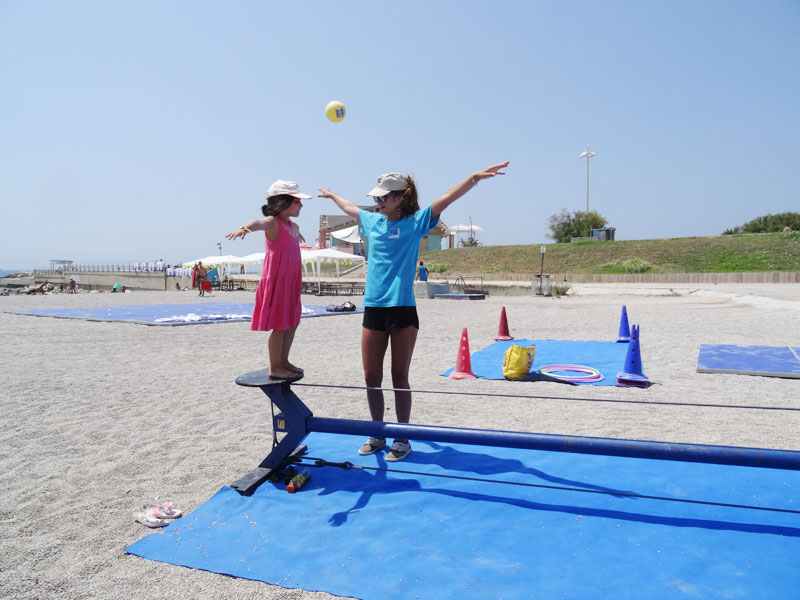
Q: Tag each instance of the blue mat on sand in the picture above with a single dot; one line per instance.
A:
(770, 361)
(376, 535)
(170, 314)
(606, 357)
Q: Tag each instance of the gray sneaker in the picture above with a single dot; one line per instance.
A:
(372, 445)
(400, 449)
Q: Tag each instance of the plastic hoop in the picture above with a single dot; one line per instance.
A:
(585, 374)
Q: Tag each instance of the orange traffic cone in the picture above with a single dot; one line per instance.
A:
(463, 368)
(502, 331)
(633, 373)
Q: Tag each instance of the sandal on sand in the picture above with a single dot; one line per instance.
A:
(149, 519)
(163, 510)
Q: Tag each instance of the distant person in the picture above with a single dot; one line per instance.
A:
(201, 277)
(73, 286)
(277, 306)
(422, 272)
(390, 313)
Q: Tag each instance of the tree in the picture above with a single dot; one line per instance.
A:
(768, 224)
(564, 226)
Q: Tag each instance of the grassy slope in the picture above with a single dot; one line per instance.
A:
(717, 254)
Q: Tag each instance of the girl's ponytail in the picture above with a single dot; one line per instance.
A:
(276, 204)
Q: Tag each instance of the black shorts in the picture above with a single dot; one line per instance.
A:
(388, 318)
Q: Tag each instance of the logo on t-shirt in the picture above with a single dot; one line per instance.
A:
(394, 233)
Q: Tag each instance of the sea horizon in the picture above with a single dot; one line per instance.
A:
(7, 272)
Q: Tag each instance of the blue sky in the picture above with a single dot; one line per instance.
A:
(145, 130)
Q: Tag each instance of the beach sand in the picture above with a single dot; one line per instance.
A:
(99, 418)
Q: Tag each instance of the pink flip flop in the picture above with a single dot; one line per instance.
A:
(149, 519)
(164, 510)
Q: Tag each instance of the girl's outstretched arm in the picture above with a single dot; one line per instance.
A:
(254, 225)
(348, 207)
(458, 190)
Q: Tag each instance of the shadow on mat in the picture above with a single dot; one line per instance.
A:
(371, 483)
(451, 459)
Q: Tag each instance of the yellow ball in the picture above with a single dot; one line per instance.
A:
(335, 111)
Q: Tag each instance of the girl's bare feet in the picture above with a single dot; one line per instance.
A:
(289, 366)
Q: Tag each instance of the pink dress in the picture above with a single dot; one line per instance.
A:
(278, 295)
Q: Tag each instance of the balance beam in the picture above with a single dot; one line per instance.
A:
(296, 421)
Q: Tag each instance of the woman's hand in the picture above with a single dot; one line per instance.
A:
(348, 207)
(491, 171)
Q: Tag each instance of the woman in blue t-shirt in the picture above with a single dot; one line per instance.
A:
(390, 313)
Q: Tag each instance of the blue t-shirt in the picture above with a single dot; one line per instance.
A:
(392, 256)
(423, 273)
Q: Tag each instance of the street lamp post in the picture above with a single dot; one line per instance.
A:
(587, 154)
(219, 246)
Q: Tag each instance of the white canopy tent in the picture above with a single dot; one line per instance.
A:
(464, 229)
(315, 258)
(256, 258)
(468, 229)
(221, 262)
(213, 261)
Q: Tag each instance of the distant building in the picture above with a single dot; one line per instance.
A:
(341, 232)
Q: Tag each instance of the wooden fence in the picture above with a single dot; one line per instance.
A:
(760, 277)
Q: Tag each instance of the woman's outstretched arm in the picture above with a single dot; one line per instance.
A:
(458, 190)
(348, 207)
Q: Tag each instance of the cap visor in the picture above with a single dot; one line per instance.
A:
(379, 192)
(301, 196)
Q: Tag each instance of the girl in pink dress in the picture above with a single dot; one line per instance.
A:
(278, 306)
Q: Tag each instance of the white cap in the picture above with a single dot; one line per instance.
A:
(389, 182)
(290, 188)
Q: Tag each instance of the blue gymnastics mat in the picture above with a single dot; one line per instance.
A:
(376, 534)
(170, 314)
(769, 361)
(606, 357)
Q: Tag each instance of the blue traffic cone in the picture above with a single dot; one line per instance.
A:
(624, 331)
(632, 373)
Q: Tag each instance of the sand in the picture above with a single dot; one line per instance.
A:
(99, 418)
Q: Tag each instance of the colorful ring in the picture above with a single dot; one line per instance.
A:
(587, 374)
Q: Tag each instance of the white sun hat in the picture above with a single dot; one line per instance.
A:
(289, 188)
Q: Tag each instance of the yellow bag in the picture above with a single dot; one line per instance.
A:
(517, 361)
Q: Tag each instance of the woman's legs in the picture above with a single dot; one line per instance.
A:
(373, 350)
(403, 342)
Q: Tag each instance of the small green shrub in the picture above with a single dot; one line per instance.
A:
(494, 271)
(636, 265)
(438, 267)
